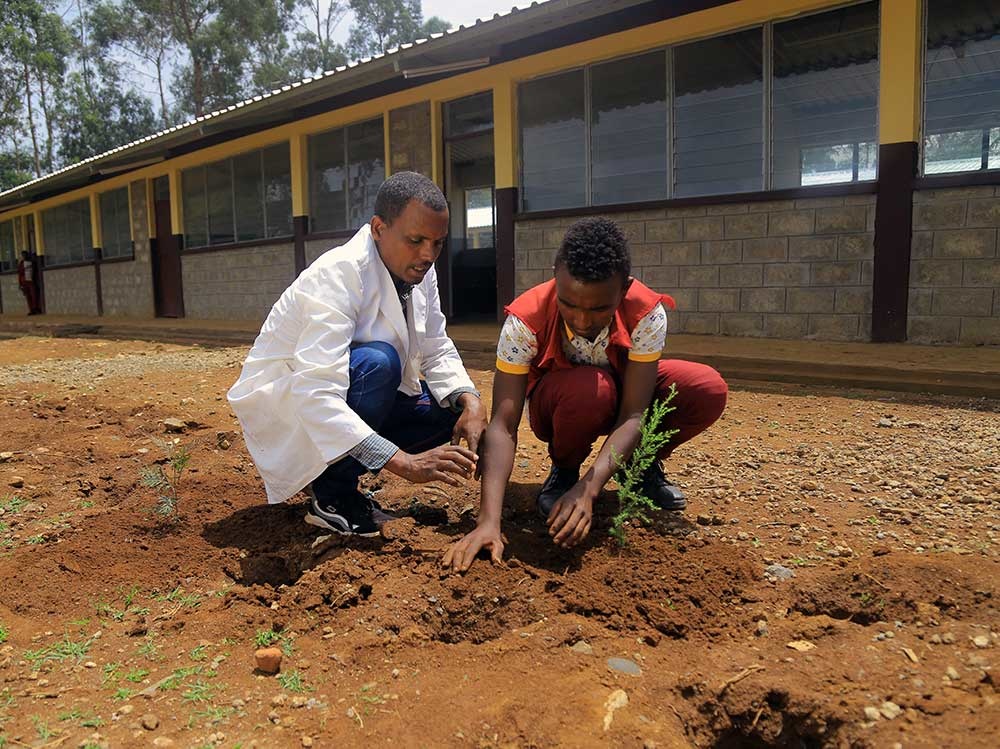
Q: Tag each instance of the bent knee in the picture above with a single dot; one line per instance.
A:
(378, 360)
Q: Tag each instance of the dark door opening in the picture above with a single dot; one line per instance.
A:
(168, 292)
(469, 187)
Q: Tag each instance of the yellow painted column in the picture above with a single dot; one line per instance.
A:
(95, 221)
(437, 140)
(299, 154)
(150, 208)
(505, 134)
(176, 204)
(39, 233)
(900, 74)
(386, 145)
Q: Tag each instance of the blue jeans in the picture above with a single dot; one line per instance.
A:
(414, 423)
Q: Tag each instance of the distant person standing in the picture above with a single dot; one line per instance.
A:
(26, 282)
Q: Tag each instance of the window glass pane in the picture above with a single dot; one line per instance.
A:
(248, 185)
(278, 190)
(8, 257)
(628, 130)
(219, 187)
(115, 224)
(553, 142)
(824, 96)
(195, 221)
(366, 157)
(472, 114)
(479, 218)
(962, 80)
(67, 233)
(410, 139)
(718, 129)
(328, 176)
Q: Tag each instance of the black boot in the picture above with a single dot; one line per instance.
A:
(664, 495)
(560, 481)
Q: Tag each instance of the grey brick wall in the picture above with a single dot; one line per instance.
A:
(316, 247)
(13, 299)
(238, 284)
(71, 291)
(127, 287)
(778, 269)
(955, 267)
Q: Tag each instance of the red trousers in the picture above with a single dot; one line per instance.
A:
(570, 408)
(30, 295)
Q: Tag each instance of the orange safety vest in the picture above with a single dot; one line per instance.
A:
(537, 308)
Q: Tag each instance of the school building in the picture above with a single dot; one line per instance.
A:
(784, 168)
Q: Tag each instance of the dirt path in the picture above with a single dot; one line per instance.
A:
(833, 583)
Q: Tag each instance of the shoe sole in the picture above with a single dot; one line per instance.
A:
(319, 522)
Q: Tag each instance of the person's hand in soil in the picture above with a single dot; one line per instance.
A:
(461, 554)
(445, 463)
(571, 515)
(471, 424)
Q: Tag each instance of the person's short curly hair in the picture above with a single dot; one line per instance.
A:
(401, 188)
(595, 249)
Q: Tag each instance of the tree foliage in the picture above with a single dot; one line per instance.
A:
(79, 77)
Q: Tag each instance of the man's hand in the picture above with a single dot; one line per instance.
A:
(570, 518)
(445, 463)
(461, 553)
(471, 423)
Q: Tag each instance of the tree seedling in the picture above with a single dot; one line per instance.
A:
(632, 503)
(165, 478)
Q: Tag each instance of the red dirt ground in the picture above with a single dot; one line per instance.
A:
(119, 629)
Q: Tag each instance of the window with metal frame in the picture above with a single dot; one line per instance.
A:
(961, 129)
(346, 168)
(116, 233)
(240, 199)
(785, 104)
(67, 234)
(8, 249)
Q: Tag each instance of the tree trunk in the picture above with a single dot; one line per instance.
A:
(31, 120)
(159, 83)
(48, 122)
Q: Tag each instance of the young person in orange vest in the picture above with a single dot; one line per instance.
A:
(584, 348)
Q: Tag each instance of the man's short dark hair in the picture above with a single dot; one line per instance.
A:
(595, 249)
(401, 188)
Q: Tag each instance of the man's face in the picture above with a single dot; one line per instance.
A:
(412, 242)
(587, 307)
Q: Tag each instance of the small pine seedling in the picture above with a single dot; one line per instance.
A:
(166, 478)
(632, 503)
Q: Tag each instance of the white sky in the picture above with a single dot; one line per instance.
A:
(458, 13)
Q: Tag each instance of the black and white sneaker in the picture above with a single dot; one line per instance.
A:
(355, 517)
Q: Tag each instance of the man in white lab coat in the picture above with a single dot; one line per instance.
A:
(353, 370)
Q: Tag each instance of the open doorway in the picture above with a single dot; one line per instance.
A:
(469, 187)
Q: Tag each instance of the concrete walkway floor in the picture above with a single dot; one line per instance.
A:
(969, 371)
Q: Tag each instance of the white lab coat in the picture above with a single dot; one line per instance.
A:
(290, 397)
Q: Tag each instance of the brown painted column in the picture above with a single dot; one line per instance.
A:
(300, 227)
(39, 263)
(897, 170)
(98, 254)
(506, 199)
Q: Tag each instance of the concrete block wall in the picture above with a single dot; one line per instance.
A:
(71, 291)
(955, 267)
(127, 286)
(10, 293)
(236, 284)
(778, 269)
(316, 247)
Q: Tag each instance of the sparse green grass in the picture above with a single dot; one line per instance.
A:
(106, 611)
(137, 675)
(211, 714)
(4, 633)
(149, 649)
(123, 694)
(35, 540)
(178, 676)
(200, 691)
(198, 653)
(86, 721)
(177, 595)
(111, 674)
(63, 650)
(266, 637)
(12, 504)
(367, 695)
(41, 728)
(292, 682)
(166, 478)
